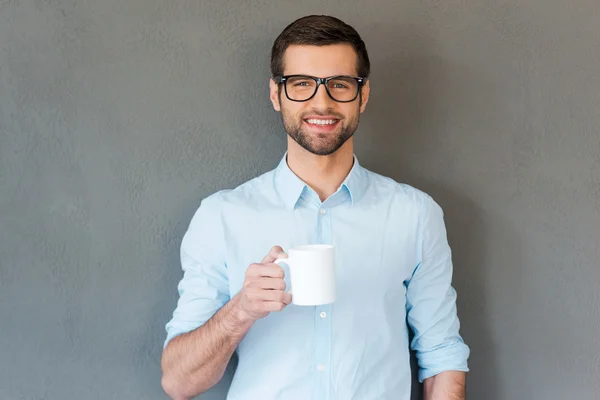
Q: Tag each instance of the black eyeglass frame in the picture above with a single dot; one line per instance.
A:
(282, 79)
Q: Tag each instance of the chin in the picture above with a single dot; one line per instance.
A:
(323, 150)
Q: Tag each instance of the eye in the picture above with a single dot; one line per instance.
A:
(301, 83)
(338, 85)
(342, 84)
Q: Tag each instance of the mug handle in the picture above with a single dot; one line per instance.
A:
(280, 261)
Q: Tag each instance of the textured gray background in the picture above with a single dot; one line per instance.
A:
(118, 117)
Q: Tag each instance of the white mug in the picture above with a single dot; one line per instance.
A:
(312, 274)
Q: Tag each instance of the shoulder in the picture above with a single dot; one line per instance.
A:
(384, 187)
(258, 190)
(414, 204)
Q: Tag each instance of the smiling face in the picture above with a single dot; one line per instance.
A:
(320, 125)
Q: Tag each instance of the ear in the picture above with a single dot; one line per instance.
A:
(365, 90)
(274, 94)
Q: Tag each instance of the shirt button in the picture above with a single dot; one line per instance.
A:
(322, 211)
(320, 367)
(323, 314)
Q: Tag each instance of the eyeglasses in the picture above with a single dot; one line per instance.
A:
(342, 88)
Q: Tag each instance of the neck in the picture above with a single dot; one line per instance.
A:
(324, 174)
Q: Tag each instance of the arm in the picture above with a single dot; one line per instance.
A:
(448, 385)
(431, 309)
(194, 362)
(207, 325)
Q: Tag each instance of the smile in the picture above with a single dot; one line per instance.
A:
(321, 121)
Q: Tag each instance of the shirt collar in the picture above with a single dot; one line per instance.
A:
(290, 186)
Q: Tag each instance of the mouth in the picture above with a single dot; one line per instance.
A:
(321, 124)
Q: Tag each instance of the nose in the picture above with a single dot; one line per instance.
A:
(321, 100)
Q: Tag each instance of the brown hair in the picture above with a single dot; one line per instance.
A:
(318, 30)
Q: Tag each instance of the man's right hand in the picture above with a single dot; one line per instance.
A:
(263, 290)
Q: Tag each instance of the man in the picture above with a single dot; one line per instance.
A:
(393, 260)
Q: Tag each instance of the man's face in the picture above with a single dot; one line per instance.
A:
(320, 125)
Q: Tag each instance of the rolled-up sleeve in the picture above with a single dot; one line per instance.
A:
(431, 300)
(204, 288)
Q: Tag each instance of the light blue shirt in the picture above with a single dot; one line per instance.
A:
(393, 267)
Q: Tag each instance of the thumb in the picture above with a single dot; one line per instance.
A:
(275, 253)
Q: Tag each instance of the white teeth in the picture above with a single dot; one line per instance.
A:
(322, 121)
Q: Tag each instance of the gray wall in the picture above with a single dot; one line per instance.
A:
(118, 117)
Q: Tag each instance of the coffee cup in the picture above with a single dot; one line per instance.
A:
(312, 274)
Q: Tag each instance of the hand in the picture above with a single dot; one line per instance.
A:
(264, 288)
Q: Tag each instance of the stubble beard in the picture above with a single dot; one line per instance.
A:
(322, 144)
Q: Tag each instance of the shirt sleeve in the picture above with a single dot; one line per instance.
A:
(204, 288)
(431, 301)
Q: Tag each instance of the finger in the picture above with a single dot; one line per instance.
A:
(273, 306)
(275, 253)
(275, 295)
(265, 270)
(287, 298)
(268, 283)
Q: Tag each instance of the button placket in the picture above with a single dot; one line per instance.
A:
(322, 319)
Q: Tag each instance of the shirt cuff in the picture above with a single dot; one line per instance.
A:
(451, 357)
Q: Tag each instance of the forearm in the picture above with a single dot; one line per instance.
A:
(448, 385)
(195, 361)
